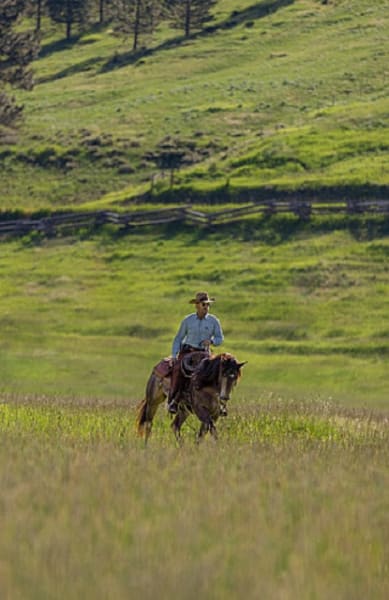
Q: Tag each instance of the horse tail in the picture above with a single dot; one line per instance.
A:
(141, 417)
(147, 408)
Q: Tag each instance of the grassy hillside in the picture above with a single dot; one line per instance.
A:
(274, 94)
(292, 501)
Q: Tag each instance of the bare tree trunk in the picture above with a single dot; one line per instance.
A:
(187, 17)
(38, 15)
(136, 24)
(68, 20)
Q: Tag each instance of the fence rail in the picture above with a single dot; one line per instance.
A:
(302, 208)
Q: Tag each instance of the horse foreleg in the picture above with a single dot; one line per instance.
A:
(178, 422)
(204, 428)
(213, 430)
(207, 426)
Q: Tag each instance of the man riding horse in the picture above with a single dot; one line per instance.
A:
(197, 332)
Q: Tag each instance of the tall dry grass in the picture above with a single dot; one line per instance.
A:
(285, 512)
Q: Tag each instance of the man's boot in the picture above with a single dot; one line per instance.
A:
(172, 404)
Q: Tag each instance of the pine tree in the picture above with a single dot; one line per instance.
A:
(189, 14)
(36, 9)
(136, 17)
(39, 10)
(105, 10)
(68, 12)
(17, 50)
(100, 10)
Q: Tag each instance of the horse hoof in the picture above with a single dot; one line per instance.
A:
(223, 411)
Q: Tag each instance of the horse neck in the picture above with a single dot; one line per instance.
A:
(219, 373)
(210, 373)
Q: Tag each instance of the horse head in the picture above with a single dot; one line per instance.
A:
(229, 374)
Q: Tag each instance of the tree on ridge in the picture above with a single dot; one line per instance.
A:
(136, 17)
(68, 12)
(189, 14)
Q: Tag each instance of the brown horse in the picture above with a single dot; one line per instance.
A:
(157, 389)
(210, 381)
(210, 388)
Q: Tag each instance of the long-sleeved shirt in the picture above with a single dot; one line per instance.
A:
(193, 331)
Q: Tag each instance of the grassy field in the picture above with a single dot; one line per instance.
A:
(308, 310)
(284, 95)
(290, 503)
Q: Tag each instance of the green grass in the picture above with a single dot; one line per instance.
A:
(308, 310)
(286, 98)
(273, 420)
(291, 502)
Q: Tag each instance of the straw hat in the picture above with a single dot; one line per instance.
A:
(201, 297)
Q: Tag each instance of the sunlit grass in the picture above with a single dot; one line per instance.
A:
(90, 318)
(277, 421)
(274, 84)
(291, 502)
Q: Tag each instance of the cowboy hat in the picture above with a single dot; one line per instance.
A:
(201, 297)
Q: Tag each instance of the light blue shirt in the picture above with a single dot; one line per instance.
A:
(193, 331)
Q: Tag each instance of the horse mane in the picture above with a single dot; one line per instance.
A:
(208, 370)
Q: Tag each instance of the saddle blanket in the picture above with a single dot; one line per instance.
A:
(163, 368)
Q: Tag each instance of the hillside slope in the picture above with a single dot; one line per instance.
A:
(274, 94)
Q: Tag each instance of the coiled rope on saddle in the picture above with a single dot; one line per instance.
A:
(191, 361)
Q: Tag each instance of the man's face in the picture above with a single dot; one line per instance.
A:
(202, 309)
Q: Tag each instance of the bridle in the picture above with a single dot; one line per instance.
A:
(226, 382)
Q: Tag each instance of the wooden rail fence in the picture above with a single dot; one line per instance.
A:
(304, 209)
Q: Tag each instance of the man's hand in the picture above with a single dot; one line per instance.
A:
(206, 344)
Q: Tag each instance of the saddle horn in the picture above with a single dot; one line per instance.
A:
(190, 362)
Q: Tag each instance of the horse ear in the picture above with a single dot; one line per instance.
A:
(242, 364)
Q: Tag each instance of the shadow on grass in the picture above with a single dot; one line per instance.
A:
(254, 12)
(86, 65)
(248, 15)
(271, 230)
(58, 46)
(276, 229)
(68, 44)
